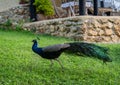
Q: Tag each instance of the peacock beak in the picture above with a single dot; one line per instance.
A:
(34, 40)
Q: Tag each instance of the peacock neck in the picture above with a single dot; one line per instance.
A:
(35, 45)
(36, 49)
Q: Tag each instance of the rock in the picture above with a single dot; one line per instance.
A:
(113, 20)
(108, 32)
(90, 39)
(102, 21)
(81, 30)
(70, 35)
(52, 29)
(117, 30)
(21, 11)
(92, 32)
(110, 25)
(84, 26)
(107, 38)
(40, 31)
(115, 38)
(75, 20)
(61, 28)
(61, 11)
(47, 31)
(117, 21)
(96, 24)
(104, 26)
(79, 37)
(61, 34)
(41, 17)
(79, 23)
(73, 29)
(101, 32)
(55, 34)
(67, 23)
(56, 28)
(98, 39)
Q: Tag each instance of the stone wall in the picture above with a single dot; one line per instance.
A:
(15, 14)
(85, 28)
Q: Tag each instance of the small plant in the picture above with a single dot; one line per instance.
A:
(18, 28)
(6, 25)
(45, 7)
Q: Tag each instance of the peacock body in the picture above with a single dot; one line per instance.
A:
(53, 52)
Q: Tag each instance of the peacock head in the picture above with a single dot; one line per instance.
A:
(34, 41)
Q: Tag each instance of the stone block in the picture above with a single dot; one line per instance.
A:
(52, 29)
(92, 33)
(110, 25)
(117, 30)
(73, 29)
(107, 38)
(98, 39)
(102, 21)
(101, 32)
(96, 24)
(108, 32)
(115, 38)
(62, 29)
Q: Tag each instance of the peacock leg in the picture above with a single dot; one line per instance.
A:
(104, 62)
(59, 63)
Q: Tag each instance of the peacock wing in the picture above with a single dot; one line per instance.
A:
(56, 47)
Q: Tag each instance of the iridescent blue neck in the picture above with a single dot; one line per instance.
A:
(36, 49)
(35, 45)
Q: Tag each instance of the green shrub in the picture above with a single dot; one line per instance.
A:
(6, 25)
(45, 7)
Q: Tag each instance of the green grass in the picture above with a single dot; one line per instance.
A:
(20, 66)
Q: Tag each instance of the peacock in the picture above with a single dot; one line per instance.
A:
(53, 52)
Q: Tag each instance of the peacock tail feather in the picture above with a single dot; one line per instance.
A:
(90, 50)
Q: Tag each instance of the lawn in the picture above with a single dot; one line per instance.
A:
(20, 66)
